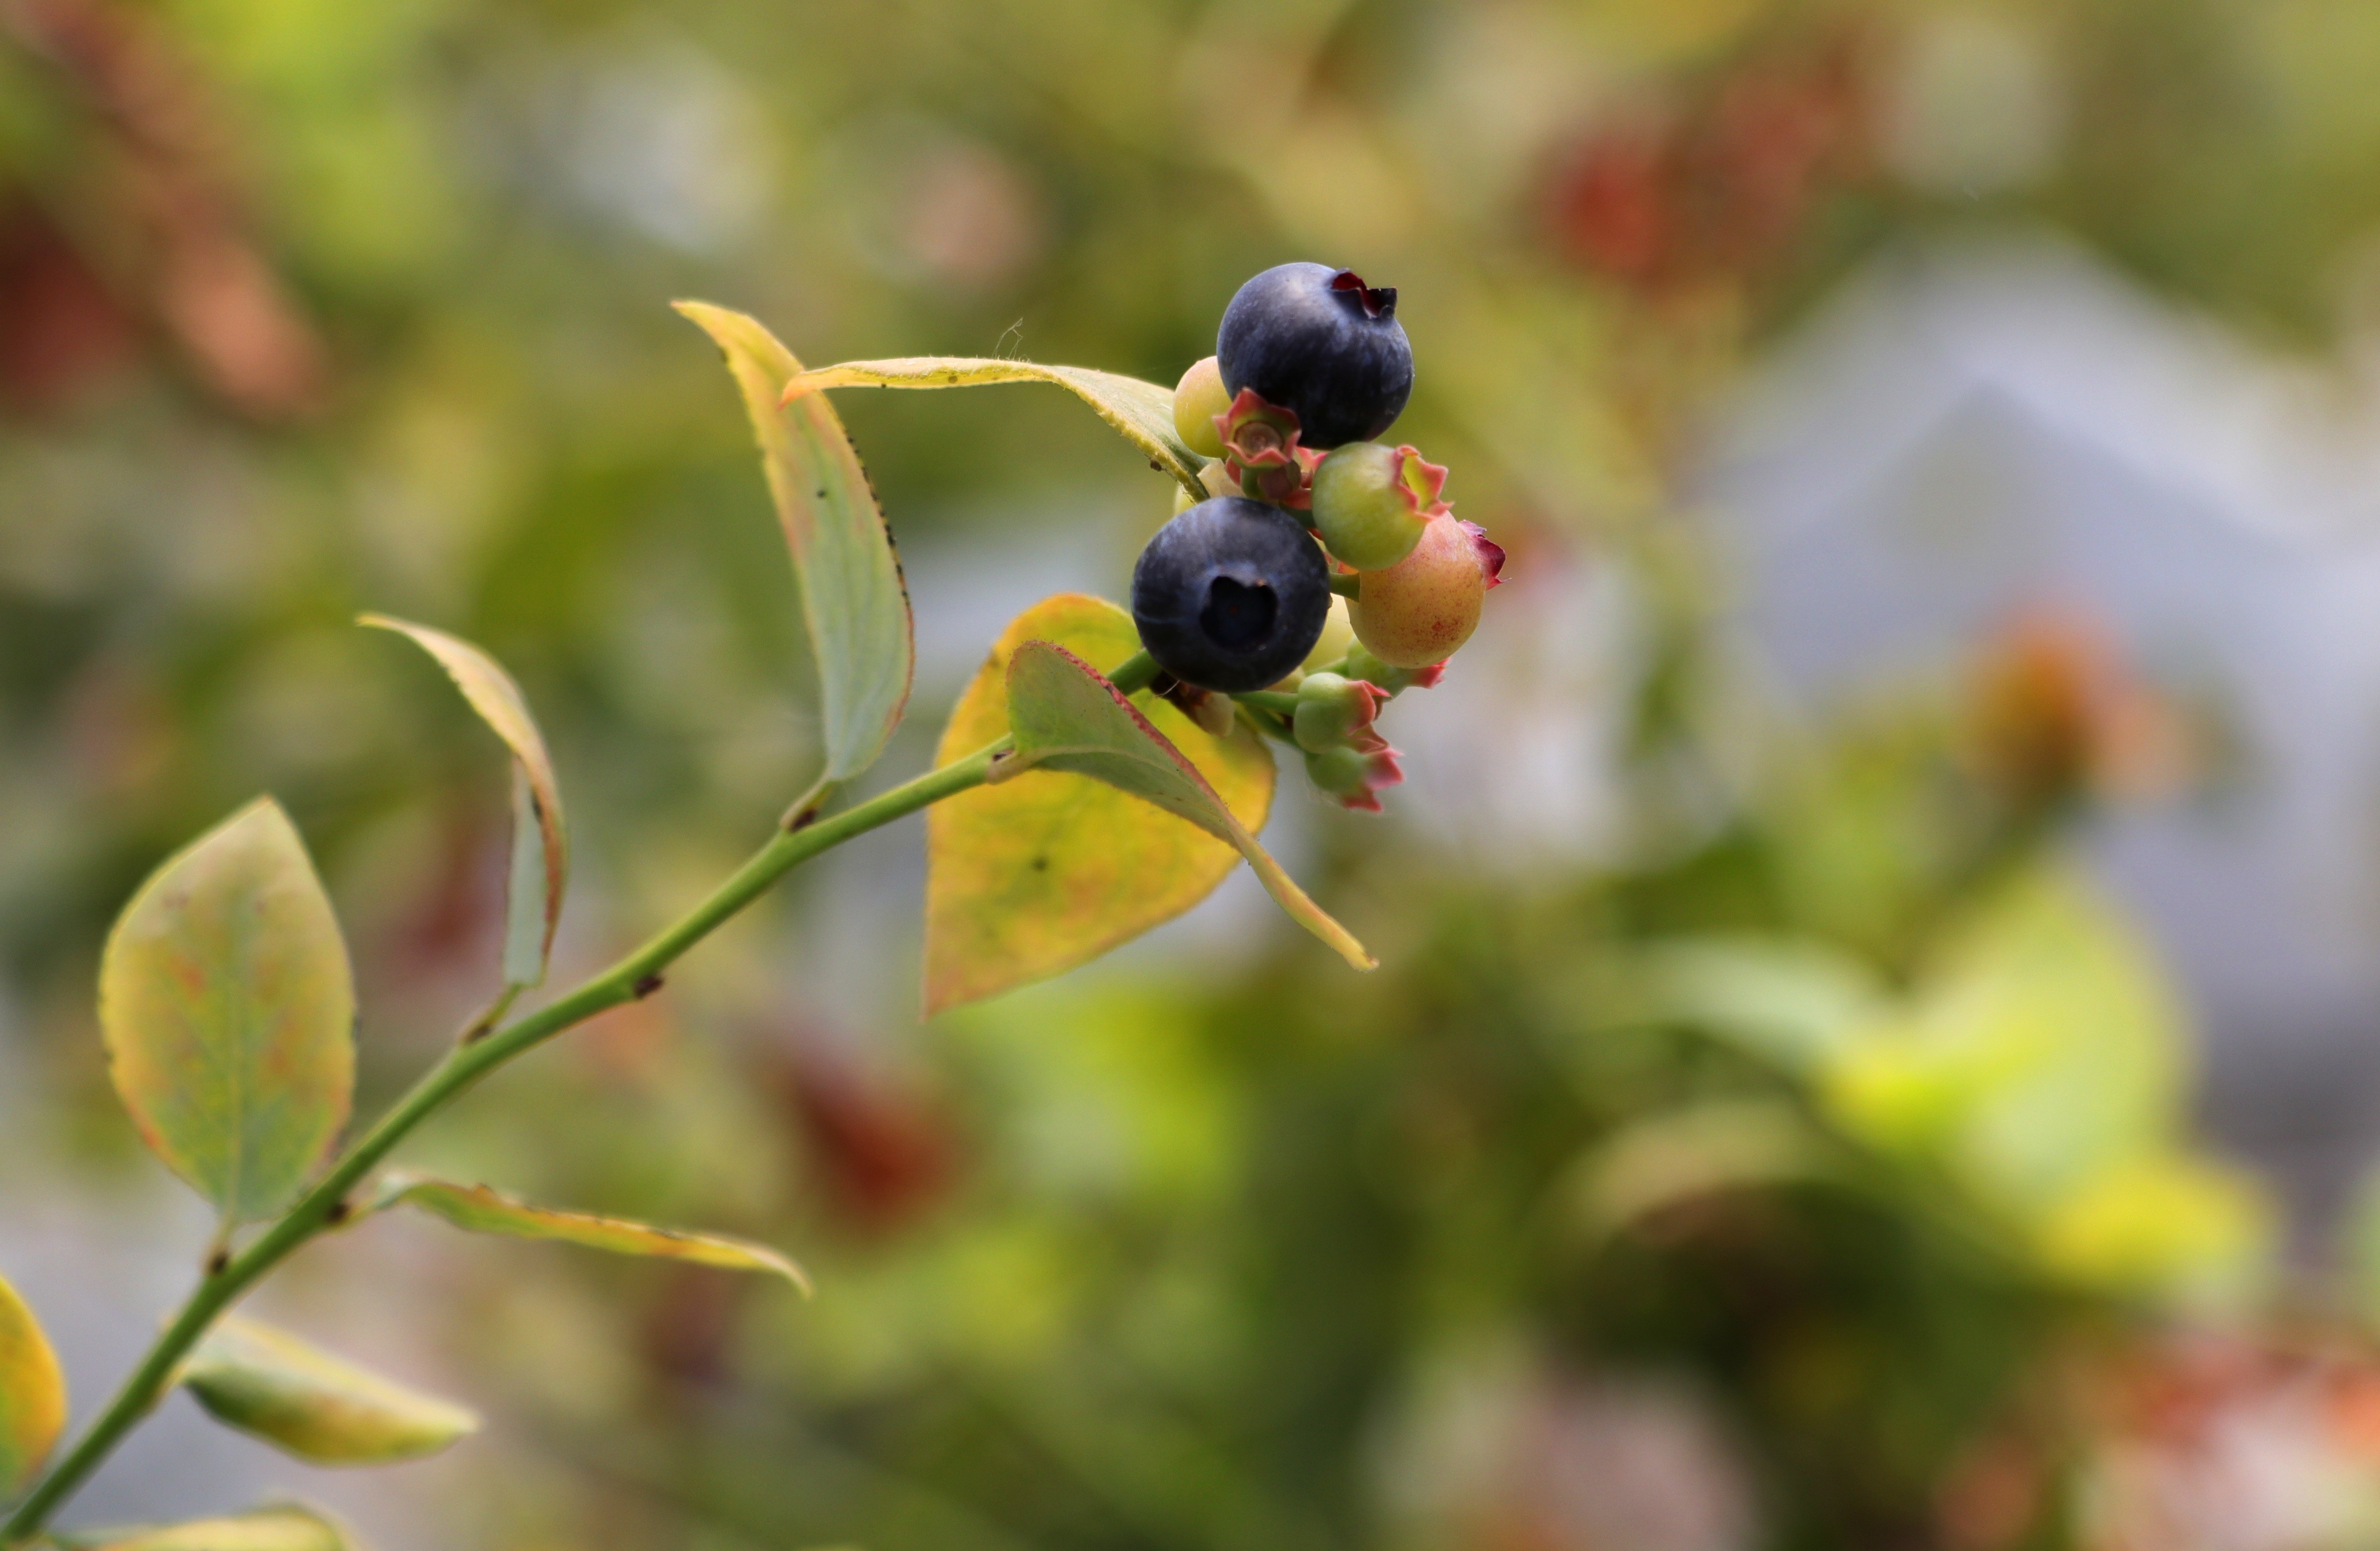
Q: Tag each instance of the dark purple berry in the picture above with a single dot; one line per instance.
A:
(1322, 345)
(1231, 595)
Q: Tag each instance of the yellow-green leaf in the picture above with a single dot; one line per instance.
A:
(1065, 717)
(317, 1406)
(481, 1210)
(853, 597)
(1035, 876)
(1142, 411)
(1721, 1145)
(541, 865)
(228, 1011)
(268, 1529)
(33, 1394)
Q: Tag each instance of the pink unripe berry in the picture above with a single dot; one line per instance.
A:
(1418, 611)
(1197, 399)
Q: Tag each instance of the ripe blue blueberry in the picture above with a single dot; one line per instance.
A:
(1321, 343)
(1231, 595)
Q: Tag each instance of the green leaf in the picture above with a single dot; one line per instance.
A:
(540, 863)
(2041, 1044)
(1789, 1003)
(1065, 717)
(853, 597)
(228, 1013)
(1031, 877)
(317, 1406)
(1142, 411)
(481, 1210)
(288, 1527)
(1727, 1145)
(33, 1394)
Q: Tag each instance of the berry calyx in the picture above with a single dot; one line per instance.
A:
(1371, 501)
(1231, 595)
(1322, 345)
(1418, 611)
(1261, 453)
(1198, 398)
(1356, 776)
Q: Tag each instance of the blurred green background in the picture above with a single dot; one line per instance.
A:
(1770, 1128)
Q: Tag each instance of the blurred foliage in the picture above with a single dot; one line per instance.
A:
(1817, 1167)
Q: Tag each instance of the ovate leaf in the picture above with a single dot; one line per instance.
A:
(481, 1210)
(228, 1011)
(541, 865)
(1142, 411)
(33, 1395)
(267, 1529)
(853, 597)
(1032, 877)
(317, 1406)
(1065, 717)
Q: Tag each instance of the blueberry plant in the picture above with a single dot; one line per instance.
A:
(1101, 774)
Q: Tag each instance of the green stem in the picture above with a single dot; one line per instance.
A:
(326, 1206)
(1347, 584)
(1135, 674)
(1270, 700)
(1272, 726)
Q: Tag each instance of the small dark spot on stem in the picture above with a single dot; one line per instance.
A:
(804, 819)
(217, 1262)
(1158, 467)
(646, 986)
(340, 1210)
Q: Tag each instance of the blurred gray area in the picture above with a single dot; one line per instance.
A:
(1973, 429)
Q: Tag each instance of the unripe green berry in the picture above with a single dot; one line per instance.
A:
(1197, 399)
(1356, 776)
(1418, 611)
(1334, 710)
(1371, 502)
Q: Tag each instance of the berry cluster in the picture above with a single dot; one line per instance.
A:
(1235, 596)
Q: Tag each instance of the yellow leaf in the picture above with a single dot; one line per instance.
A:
(478, 1209)
(317, 1406)
(270, 1529)
(1066, 717)
(33, 1394)
(1141, 412)
(1032, 877)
